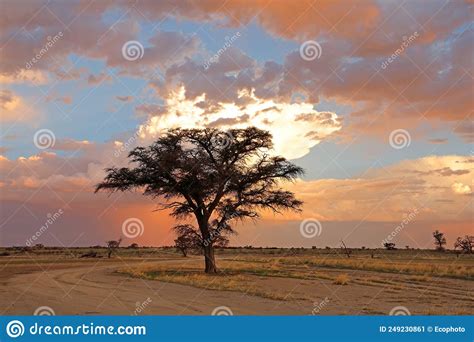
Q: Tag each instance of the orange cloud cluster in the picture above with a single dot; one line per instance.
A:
(430, 79)
(439, 188)
(369, 62)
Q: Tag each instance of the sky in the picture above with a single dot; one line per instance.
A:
(372, 98)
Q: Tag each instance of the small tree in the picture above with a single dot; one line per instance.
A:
(345, 249)
(186, 240)
(216, 176)
(112, 246)
(440, 240)
(389, 246)
(189, 239)
(465, 244)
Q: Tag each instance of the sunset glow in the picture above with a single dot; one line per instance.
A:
(373, 100)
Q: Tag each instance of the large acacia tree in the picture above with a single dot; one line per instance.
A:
(216, 176)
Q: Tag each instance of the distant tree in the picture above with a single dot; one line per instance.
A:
(190, 239)
(440, 240)
(465, 244)
(216, 176)
(133, 245)
(38, 246)
(389, 245)
(345, 249)
(112, 246)
(187, 239)
(181, 244)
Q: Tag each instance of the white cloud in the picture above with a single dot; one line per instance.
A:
(461, 189)
(296, 127)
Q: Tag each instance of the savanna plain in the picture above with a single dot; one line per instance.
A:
(250, 281)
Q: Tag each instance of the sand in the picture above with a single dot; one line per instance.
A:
(93, 287)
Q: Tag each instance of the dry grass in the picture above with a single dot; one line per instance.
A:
(419, 278)
(341, 279)
(442, 311)
(224, 281)
(438, 268)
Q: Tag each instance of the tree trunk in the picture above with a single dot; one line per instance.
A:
(209, 259)
(208, 248)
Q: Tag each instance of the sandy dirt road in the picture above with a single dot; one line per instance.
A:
(97, 289)
(93, 287)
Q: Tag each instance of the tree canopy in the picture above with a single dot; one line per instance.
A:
(216, 176)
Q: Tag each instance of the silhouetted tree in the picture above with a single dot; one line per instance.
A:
(389, 245)
(440, 240)
(466, 244)
(182, 244)
(216, 176)
(345, 249)
(189, 238)
(112, 246)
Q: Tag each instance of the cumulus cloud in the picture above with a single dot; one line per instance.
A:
(15, 108)
(386, 194)
(430, 79)
(461, 189)
(296, 127)
(71, 145)
(98, 79)
(36, 77)
(63, 99)
(428, 83)
(124, 98)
